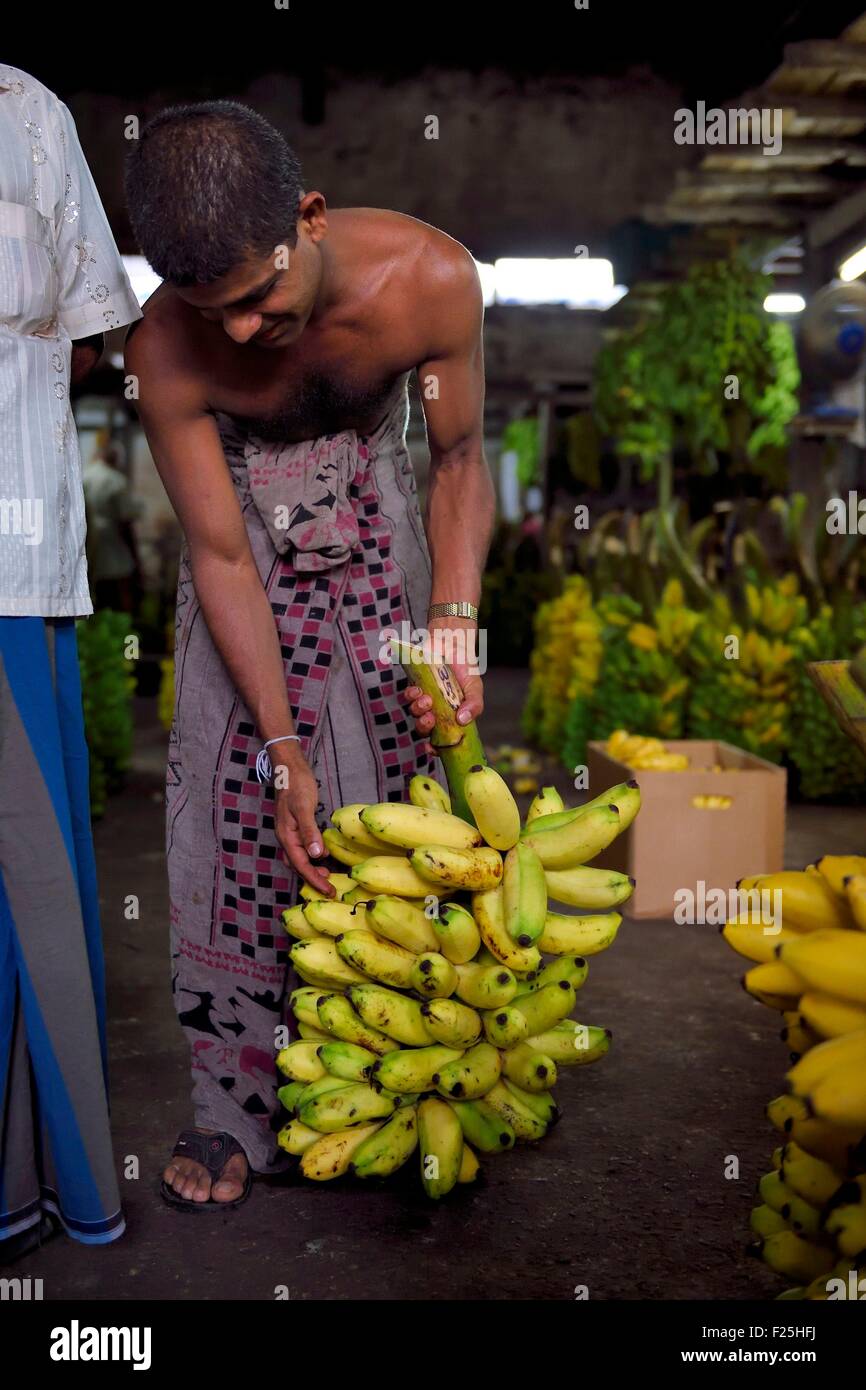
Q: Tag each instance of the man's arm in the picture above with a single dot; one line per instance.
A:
(186, 448)
(461, 501)
(86, 353)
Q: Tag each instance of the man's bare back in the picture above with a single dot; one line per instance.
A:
(339, 372)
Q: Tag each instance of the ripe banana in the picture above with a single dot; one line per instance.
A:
(425, 792)
(590, 832)
(348, 821)
(310, 1034)
(774, 985)
(343, 850)
(471, 870)
(296, 924)
(808, 901)
(800, 1215)
(433, 975)
(847, 1225)
(832, 962)
(394, 1014)
(811, 1178)
(493, 808)
(529, 1069)
(341, 884)
(355, 1104)
(322, 959)
(524, 894)
(836, 868)
(389, 1148)
(413, 826)
(347, 1060)
(391, 874)
(835, 1146)
(504, 1027)
(300, 1062)
(788, 1254)
(784, 1110)
(855, 893)
(572, 1044)
(764, 1221)
(483, 1126)
(830, 1017)
(331, 1155)
(403, 923)
(322, 1087)
(338, 1017)
(796, 1035)
(521, 1118)
(296, 1138)
(471, 1076)
(546, 803)
(825, 1060)
(489, 911)
(485, 986)
(593, 890)
(304, 1005)
(753, 940)
(440, 1142)
(451, 1023)
(457, 933)
(582, 936)
(373, 958)
(414, 1069)
(331, 919)
(469, 1165)
(546, 1007)
(840, 1096)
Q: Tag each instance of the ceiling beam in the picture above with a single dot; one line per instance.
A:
(752, 214)
(827, 226)
(796, 152)
(767, 183)
(849, 58)
(833, 106)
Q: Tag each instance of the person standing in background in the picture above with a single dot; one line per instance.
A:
(62, 285)
(111, 552)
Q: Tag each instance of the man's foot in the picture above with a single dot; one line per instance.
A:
(192, 1182)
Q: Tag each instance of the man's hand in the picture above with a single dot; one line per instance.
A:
(295, 814)
(457, 644)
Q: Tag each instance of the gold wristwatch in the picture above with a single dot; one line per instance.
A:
(453, 610)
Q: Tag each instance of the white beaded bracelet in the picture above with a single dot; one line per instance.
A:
(264, 767)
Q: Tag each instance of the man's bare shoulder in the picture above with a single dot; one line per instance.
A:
(165, 341)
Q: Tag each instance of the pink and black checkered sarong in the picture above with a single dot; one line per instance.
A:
(340, 565)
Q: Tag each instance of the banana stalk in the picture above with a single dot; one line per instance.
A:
(458, 745)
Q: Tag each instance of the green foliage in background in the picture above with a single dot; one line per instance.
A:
(107, 685)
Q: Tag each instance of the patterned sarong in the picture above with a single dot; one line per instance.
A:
(337, 536)
(55, 1145)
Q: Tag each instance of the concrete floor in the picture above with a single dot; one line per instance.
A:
(627, 1195)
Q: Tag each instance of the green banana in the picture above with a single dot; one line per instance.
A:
(541, 1103)
(546, 1006)
(413, 1069)
(342, 1109)
(304, 1005)
(591, 890)
(348, 1060)
(471, 1076)
(485, 986)
(389, 1148)
(482, 1126)
(574, 969)
(504, 1027)
(489, 912)
(591, 831)
(523, 1120)
(288, 1095)
(530, 1070)
(340, 1019)
(572, 1044)
(524, 894)
(322, 1087)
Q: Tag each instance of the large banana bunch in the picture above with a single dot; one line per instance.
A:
(565, 661)
(811, 965)
(828, 764)
(438, 987)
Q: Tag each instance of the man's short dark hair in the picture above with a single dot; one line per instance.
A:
(208, 185)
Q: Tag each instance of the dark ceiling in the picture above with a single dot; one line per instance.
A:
(711, 51)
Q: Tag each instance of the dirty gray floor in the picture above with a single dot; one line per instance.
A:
(627, 1195)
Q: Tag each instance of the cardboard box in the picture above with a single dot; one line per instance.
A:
(673, 844)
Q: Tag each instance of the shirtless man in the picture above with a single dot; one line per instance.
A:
(272, 367)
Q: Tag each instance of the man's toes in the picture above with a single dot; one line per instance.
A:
(227, 1189)
(202, 1190)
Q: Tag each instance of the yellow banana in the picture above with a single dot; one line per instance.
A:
(303, 1002)
(427, 793)
(300, 1062)
(788, 1254)
(342, 849)
(825, 1060)
(546, 803)
(389, 1148)
(412, 826)
(355, 1104)
(855, 893)
(296, 1138)
(493, 808)
(773, 984)
(471, 1076)
(755, 941)
(374, 958)
(331, 1155)
(528, 1068)
(485, 986)
(831, 1017)
(341, 884)
(451, 1023)
(323, 959)
(593, 890)
(489, 912)
(348, 822)
(332, 919)
(403, 923)
(572, 1044)
(347, 1060)
(339, 1018)
(847, 1226)
(396, 1015)
(582, 936)
(831, 962)
(504, 1027)
(433, 976)
(296, 924)
(839, 1096)
(469, 1165)
(413, 1069)
(837, 867)
(764, 1221)
(547, 1006)
(808, 901)
(472, 870)
(810, 1177)
(525, 1123)
(783, 1110)
(391, 875)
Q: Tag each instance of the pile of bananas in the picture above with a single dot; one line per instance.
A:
(811, 1223)
(744, 700)
(565, 662)
(429, 1019)
(827, 763)
(640, 752)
